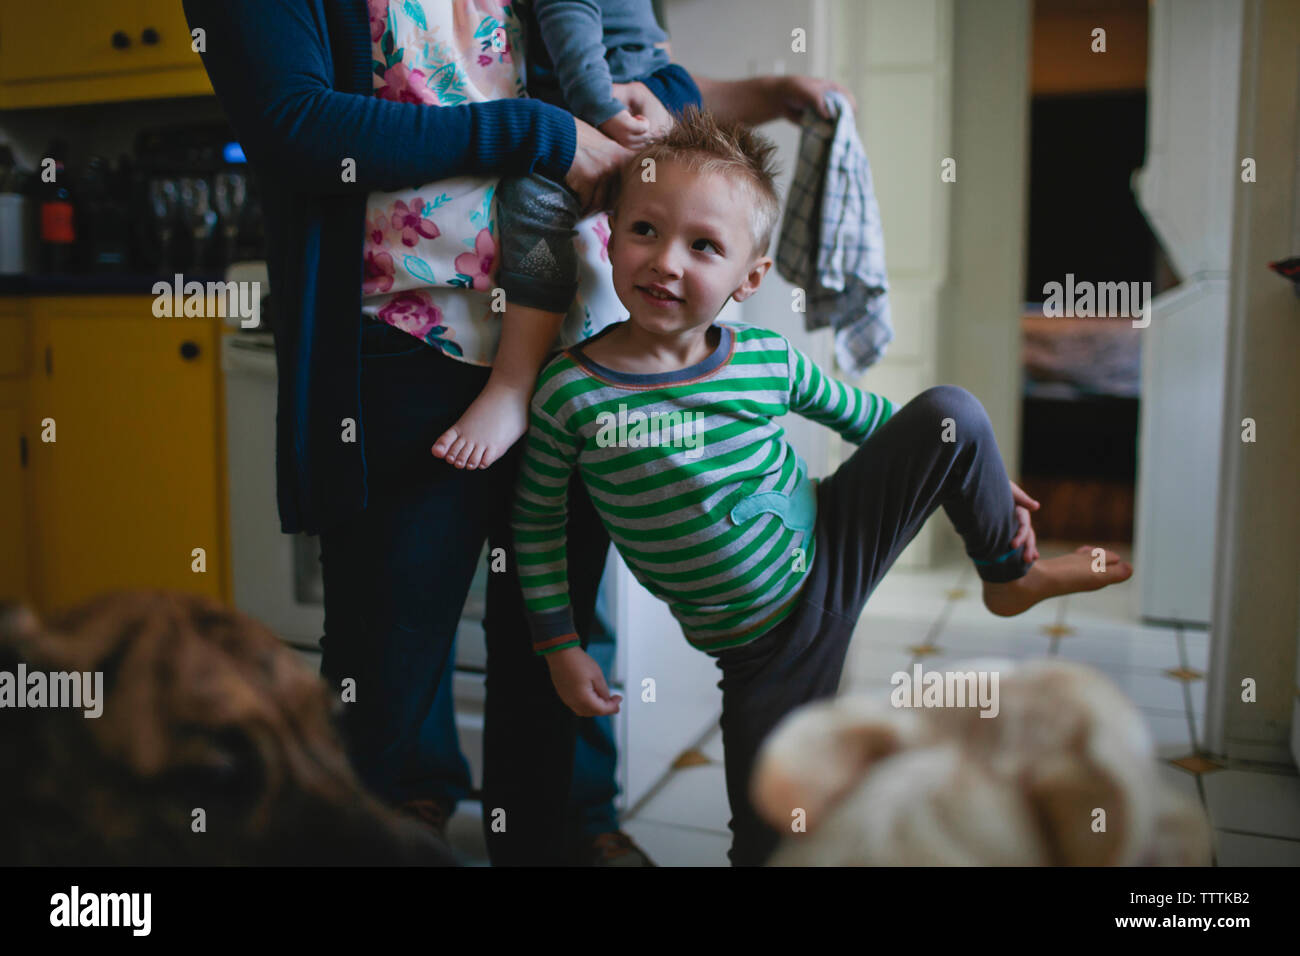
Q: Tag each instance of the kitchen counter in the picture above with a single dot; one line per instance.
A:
(108, 283)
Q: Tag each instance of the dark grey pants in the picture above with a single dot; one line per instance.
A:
(867, 512)
(539, 265)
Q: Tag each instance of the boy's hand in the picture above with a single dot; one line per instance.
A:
(1024, 505)
(580, 683)
(627, 130)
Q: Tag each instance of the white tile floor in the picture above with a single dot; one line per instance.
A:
(1256, 813)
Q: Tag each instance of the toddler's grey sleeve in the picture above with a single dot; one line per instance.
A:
(574, 35)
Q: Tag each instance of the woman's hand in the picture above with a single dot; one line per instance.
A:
(580, 683)
(594, 160)
(641, 102)
(1025, 536)
(798, 93)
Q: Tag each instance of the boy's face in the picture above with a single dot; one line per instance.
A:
(686, 233)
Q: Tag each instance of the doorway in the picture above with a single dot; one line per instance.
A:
(1080, 352)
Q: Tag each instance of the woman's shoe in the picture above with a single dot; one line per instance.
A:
(433, 813)
(612, 849)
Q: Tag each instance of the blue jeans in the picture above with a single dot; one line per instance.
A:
(595, 757)
(396, 577)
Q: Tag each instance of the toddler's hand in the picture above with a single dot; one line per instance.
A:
(641, 102)
(627, 130)
(1025, 536)
(580, 683)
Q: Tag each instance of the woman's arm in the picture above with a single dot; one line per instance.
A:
(270, 66)
(760, 99)
(751, 102)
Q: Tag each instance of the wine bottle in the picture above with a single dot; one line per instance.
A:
(56, 213)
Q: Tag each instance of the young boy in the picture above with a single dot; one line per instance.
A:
(668, 418)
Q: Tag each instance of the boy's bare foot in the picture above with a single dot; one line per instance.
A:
(1052, 577)
(492, 423)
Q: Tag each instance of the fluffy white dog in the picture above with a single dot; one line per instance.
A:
(883, 785)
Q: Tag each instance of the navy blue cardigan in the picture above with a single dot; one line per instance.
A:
(294, 79)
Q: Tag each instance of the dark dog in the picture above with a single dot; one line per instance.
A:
(203, 708)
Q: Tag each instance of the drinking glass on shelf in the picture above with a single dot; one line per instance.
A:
(230, 195)
(196, 210)
(163, 204)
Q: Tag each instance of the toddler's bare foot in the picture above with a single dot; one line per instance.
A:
(492, 423)
(1052, 577)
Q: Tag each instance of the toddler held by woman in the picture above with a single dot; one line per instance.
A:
(581, 49)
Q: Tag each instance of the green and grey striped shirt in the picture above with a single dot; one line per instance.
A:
(702, 495)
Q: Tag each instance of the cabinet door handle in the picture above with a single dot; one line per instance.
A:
(49, 361)
(190, 351)
(120, 40)
(22, 450)
(150, 37)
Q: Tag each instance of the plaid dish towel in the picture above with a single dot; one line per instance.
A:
(831, 243)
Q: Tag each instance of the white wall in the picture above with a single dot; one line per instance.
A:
(896, 55)
(1185, 189)
(939, 80)
(1256, 616)
(979, 325)
(730, 40)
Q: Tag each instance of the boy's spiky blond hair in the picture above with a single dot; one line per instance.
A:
(703, 144)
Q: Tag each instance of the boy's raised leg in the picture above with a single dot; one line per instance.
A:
(938, 450)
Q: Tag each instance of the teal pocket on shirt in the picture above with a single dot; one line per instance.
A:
(797, 510)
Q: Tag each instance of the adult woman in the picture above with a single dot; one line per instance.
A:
(361, 403)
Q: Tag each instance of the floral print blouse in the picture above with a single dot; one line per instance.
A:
(430, 253)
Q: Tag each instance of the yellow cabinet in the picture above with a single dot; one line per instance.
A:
(162, 36)
(51, 38)
(61, 52)
(124, 436)
(13, 530)
(14, 581)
